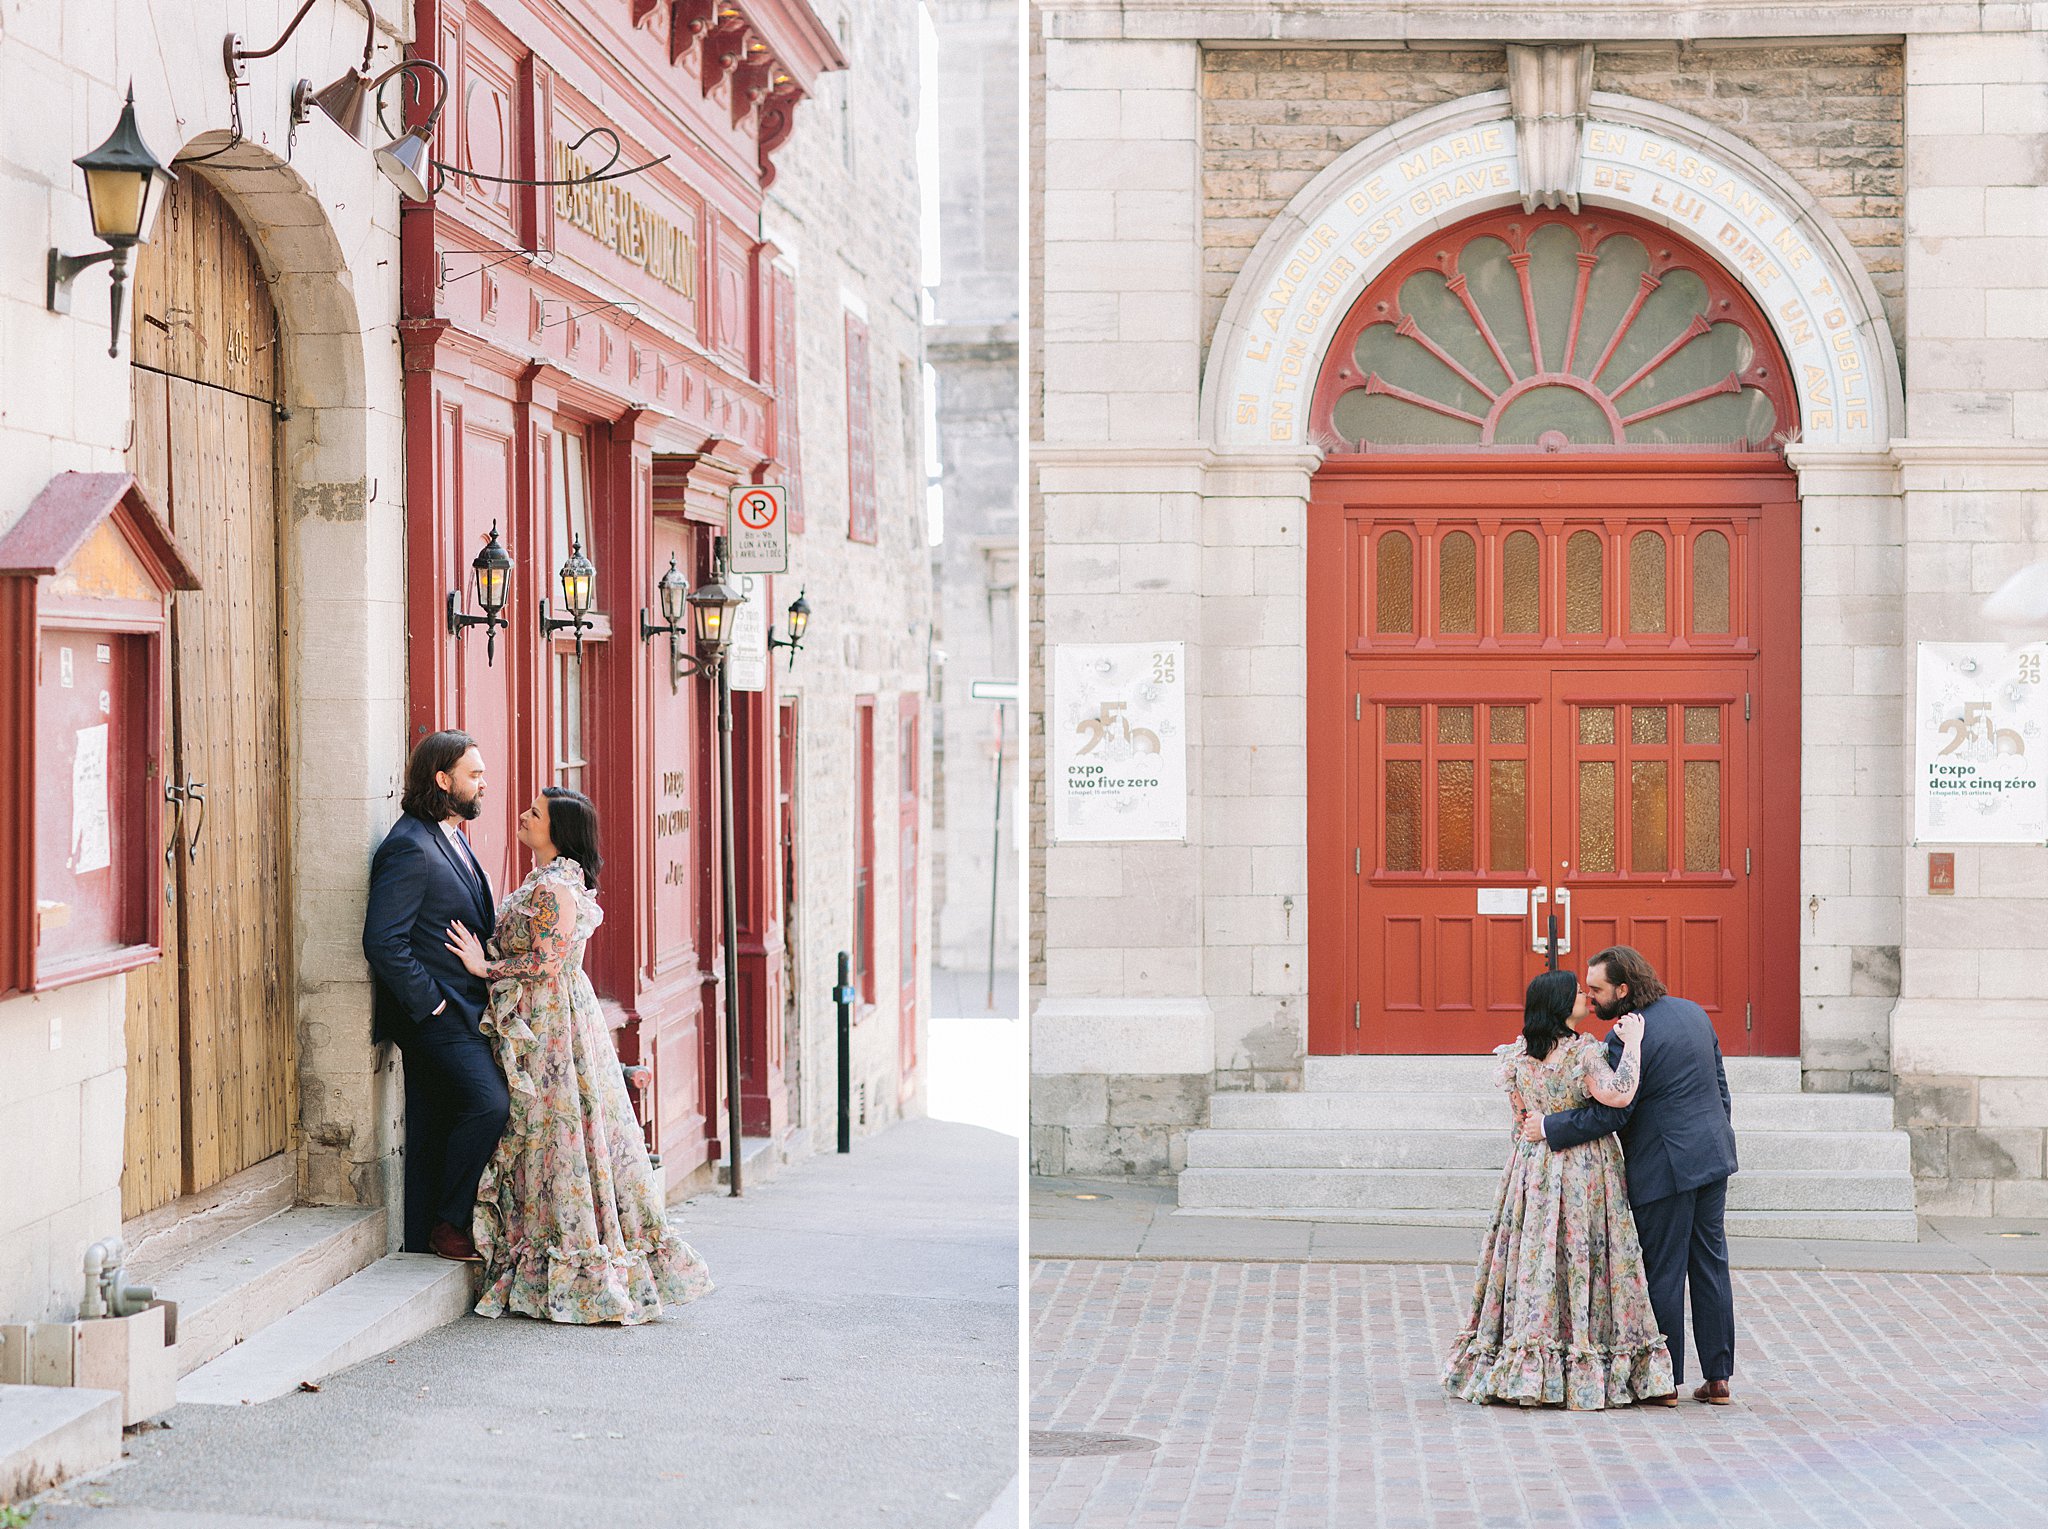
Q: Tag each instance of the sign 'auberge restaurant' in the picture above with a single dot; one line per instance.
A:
(617, 219)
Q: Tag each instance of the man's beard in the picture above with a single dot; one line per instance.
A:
(1608, 1012)
(469, 811)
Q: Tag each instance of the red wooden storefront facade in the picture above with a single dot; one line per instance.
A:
(1553, 638)
(600, 364)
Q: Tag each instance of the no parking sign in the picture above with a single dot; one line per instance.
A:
(757, 523)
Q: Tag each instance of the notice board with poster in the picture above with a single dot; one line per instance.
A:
(1980, 744)
(86, 576)
(1118, 741)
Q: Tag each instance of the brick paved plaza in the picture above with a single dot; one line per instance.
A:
(1305, 1394)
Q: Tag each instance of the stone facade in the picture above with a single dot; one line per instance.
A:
(1178, 147)
(872, 635)
(326, 229)
(973, 352)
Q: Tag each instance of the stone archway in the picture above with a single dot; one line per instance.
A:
(1403, 184)
(340, 498)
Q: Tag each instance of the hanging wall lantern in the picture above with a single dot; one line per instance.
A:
(491, 570)
(579, 583)
(673, 591)
(124, 186)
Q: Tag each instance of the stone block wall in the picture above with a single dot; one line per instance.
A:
(871, 635)
(1829, 113)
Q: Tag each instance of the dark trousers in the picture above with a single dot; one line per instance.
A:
(456, 1105)
(1684, 1243)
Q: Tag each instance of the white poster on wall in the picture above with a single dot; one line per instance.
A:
(1980, 735)
(748, 659)
(1119, 755)
(92, 839)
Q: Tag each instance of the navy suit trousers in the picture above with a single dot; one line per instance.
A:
(1684, 1243)
(456, 1106)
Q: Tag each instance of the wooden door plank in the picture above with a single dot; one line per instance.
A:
(274, 844)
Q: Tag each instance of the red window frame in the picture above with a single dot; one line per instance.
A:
(864, 848)
(863, 517)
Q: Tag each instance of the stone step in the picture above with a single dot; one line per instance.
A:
(1285, 1189)
(1474, 1074)
(1484, 1109)
(245, 1282)
(396, 1299)
(1426, 1149)
(50, 1434)
(1821, 1225)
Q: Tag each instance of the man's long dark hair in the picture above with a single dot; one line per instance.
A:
(1628, 966)
(1547, 1011)
(572, 824)
(434, 753)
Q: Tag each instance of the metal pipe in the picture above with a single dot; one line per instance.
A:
(995, 869)
(843, 996)
(94, 1304)
(732, 938)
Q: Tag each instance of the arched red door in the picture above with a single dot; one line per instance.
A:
(1553, 638)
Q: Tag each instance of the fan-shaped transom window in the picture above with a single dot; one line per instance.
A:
(1554, 331)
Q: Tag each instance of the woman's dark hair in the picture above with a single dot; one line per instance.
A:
(434, 753)
(572, 824)
(1627, 966)
(1547, 1011)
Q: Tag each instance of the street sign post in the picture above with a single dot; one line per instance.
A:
(757, 521)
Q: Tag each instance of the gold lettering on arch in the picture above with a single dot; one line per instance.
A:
(617, 219)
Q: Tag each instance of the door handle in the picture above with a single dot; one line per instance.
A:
(175, 795)
(195, 791)
(1538, 940)
(1564, 921)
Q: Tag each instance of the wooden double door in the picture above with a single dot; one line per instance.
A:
(212, 1075)
(1550, 700)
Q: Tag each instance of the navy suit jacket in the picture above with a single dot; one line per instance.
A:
(1679, 1132)
(419, 885)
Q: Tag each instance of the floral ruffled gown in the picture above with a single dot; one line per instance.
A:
(1560, 1309)
(567, 1219)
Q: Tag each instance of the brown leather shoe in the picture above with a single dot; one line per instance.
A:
(1714, 1392)
(1668, 1399)
(453, 1244)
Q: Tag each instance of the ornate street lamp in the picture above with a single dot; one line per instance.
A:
(579, 582)
(491, 569)
(673, 591)
(124, 186)
(799, 621)
(711, 606)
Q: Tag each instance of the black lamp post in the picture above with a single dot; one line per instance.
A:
(491, 569)
(579, 582)
(124, 185)
(711, 606)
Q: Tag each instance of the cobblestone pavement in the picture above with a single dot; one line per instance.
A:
(1306, 1394)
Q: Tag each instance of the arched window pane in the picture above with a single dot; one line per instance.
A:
(1497, 292)
(1553, 284)
(1521, 578)
(1584, 594)
(1710, 582)
(1646, 582)
(1408, 365)
(1617, 278)
(1457, 584)
(1396, 584)
(1578, 418)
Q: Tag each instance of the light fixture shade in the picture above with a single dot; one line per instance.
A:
(492, 567)
(674, 591)
(404, 163)
(124, 183)
(347, 103)
(579, 580)
(713, 605)
(799, 617)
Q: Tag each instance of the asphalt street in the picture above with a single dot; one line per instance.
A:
(857, 1365)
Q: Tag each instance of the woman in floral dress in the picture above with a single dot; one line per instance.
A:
(1560, 1309)
(568, 1221)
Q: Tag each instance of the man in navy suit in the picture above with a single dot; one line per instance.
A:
(424, 878)
(1679, 1139)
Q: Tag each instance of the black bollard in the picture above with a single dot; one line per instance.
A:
(843, 996)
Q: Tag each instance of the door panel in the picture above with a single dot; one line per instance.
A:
(1530, 693)
(1450, 756)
